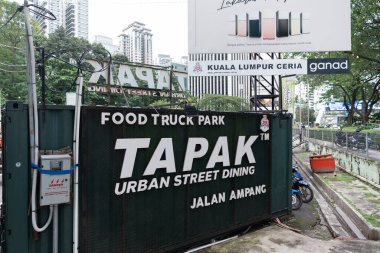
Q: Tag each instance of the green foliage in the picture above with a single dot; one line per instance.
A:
(160, 102)
(222, 103)
(363, 83)
(305, 115)
(376, 116)
(145, 101)
(120, 58)
(13, 78)
(64, 56)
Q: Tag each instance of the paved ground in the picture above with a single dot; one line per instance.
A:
(315, 235)
(273, 239)
(362, 197)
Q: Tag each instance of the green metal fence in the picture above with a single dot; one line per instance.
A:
(353, 141)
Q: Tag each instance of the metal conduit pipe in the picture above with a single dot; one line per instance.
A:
(78, 104)
(33, 118)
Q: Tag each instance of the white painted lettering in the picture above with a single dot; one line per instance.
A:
(165, 147)
(191, 152)
(131, 146)
(220, 153)
(105, 117)
(245, 149)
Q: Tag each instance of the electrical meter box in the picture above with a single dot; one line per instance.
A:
(55, 187)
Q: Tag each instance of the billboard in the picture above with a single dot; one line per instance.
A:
(269, 67)
(264, 26)
(158, 180)
(137, 79)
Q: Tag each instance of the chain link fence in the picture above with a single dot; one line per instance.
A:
(353, 141)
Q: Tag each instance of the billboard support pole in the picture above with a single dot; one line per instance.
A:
(269, 89)
(280, 98)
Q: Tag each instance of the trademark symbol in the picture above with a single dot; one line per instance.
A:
(265, 136)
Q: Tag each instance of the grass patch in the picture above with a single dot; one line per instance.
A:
(350, 129)
(375, 201)
(373, 220)
(370, 195)
(340, 177)
(303, 156)
(372, 131)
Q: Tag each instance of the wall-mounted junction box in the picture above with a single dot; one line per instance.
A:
(55, 189)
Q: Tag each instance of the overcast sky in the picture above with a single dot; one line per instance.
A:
(166, 18)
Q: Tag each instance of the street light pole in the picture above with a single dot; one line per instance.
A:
(300, 106)
(308, 106)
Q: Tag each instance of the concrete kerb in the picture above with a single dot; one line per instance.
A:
(333, 223)
(366, 229)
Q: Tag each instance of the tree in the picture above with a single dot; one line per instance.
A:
(12, 52)
(65, 57)
(120, 58)
(363, 83)
(222, 103)
(306, 114)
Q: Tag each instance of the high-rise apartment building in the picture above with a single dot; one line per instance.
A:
(164, 59)
(136, 43)
(57, 8)
(71, 14)
(76, 18)
(107, 42)
(184, 60)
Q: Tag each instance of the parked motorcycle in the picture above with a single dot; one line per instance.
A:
(355, 141)
(340, 138)
(302, 185)
(296, 199)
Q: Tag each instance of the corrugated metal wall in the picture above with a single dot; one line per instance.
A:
(161, 220)
(56, 133)
(151, 221)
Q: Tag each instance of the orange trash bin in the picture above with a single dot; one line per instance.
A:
(322, 163)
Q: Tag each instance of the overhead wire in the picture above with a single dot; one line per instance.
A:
(63, 90)
(19, 9)
(12, 71)
(78, 66)
(6, 46)
(12, 65)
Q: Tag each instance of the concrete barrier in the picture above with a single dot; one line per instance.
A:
(363, 167)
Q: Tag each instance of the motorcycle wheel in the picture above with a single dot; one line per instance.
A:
(296, 201)
(307, 193)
